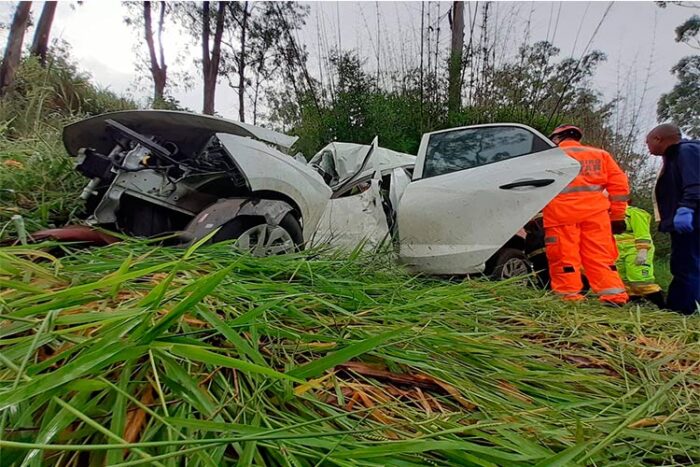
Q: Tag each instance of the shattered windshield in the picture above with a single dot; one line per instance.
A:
(324, 164)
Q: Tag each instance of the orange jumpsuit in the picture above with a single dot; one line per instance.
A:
(577, 226)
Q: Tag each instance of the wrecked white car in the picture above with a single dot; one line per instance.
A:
(457, 208)
(454, 209)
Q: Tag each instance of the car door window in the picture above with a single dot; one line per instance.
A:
(466, 148)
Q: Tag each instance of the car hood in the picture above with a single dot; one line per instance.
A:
(347, 159)
(187, 130)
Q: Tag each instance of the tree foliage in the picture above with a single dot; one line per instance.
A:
(682, 104)
(538, 84)
(259, 46)
(536, 90)
(689, 32)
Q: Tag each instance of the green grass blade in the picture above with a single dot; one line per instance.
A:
(322, 364)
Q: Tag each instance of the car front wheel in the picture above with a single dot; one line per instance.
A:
(254, 235)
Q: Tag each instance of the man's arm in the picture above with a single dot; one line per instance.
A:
(689, 165)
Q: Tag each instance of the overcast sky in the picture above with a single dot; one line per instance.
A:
(636, 36)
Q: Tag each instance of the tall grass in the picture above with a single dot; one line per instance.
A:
(37, 179)
(133, 355)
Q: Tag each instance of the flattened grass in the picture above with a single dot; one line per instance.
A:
(134, 354)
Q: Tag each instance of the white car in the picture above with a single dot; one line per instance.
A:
(457, 208)
(452, 209)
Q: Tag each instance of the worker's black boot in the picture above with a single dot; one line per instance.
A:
(657, 298)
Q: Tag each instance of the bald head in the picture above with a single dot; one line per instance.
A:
(662, 137)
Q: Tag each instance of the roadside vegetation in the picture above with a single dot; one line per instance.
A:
(37, 179)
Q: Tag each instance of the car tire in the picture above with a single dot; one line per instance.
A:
(255, 235)
(507, 264)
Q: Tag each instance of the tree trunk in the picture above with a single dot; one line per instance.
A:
(241, 65)
(40, 44)
(163, 74)
(255, 99)
(208, 105)
(422, 42)
(210, 63)
(454, 102)
(158, 70)
(13, 52)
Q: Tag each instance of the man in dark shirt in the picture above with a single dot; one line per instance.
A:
(677, 196)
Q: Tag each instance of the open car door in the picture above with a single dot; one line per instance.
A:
(472, 189)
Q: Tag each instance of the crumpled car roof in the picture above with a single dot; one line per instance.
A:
(347, 158)
(188, 130)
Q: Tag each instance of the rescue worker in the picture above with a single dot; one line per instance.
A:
(636, 261)
(677, 196)
(578, 223)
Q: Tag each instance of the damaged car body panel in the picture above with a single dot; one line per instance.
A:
(354, 220)
(473, 188)
(360, 211)
(271, 173)
(338, 162)
(219, 213)
(187, 130)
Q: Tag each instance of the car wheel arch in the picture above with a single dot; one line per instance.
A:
(516, 242)
(218, 214)
(496, 264)
(277, 196)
